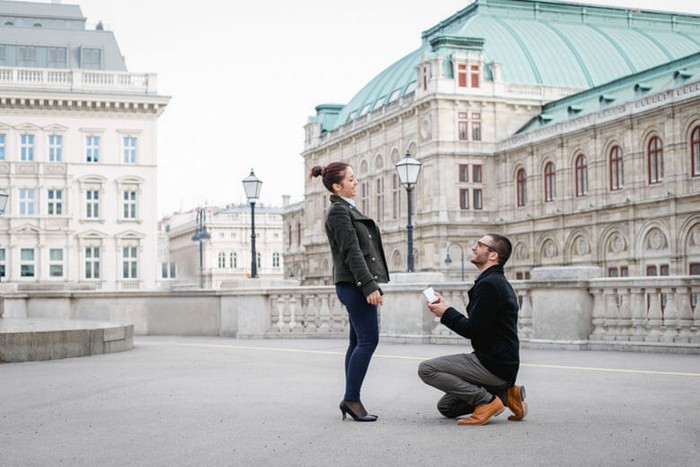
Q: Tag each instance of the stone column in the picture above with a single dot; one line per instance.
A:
(404, 316)
(562, 306)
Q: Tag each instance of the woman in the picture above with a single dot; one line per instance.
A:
(359, 266)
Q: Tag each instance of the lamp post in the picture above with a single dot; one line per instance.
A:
(4, 196)
(252, 186)
(200, 236)
(408, 169)
(448, 260)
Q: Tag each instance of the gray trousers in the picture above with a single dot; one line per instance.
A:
(465, 381)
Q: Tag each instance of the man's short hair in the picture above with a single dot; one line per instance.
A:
(502, 246)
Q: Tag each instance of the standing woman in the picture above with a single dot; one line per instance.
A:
(359, 266)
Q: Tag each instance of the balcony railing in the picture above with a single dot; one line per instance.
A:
(78, 80)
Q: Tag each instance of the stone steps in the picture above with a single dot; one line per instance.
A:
(34, 339)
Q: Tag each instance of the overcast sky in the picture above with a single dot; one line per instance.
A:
(244, 76)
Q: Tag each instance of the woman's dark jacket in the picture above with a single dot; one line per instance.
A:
(356, 245)
(491, 323)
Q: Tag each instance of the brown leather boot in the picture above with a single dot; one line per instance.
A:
(516, 403)
(483, 413)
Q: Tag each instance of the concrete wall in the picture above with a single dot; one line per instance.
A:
(558, 309)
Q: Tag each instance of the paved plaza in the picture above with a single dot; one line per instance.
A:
(205, 401)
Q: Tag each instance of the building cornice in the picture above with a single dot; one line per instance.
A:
(154, 105)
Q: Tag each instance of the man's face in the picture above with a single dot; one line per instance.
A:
(483, 251)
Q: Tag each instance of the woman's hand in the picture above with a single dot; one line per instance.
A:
(375, 298)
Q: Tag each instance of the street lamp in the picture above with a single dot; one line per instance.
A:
(252, 186)
(448, 260)
(408, 170)
(4, 196)
(200, 236)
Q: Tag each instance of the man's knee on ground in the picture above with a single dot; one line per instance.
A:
(452, 407)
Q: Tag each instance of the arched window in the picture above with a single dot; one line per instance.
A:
(695, 151)
(617, 178)
(298, 233)
(655, 160)
(521, 187)
(549, 182)
(581, 175)
(222, 259)
(289, 235)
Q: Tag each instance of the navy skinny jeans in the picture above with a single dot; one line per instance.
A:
(364, 337)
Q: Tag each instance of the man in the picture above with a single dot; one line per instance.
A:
(481, 383)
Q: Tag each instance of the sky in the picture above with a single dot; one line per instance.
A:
(244, 77)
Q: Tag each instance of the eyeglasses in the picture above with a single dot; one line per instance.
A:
(484, 245)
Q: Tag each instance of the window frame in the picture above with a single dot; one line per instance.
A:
(130, 262)
(463, 173)
(478, 199)
(616, 167)
(93, 201)
(130, 150)
(521, 187)
(695, 151)
(581, 170)
(27, 202)
(91, 58)
(549, 182)
(462, 75)
(92, 149)
(129, 204)
(474, 76)
(380, 199)
(3, 262)
(56, 57)
(655, 160)
(477, 173)
(476, 126)
(29, 264)
(3, 147)
(56, 263)
(464, 198)
(26, 147)
(55, 146)
(54, 202)
(92, 263)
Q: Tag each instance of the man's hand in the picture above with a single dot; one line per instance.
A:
(439, 307)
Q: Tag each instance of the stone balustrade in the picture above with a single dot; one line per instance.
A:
(79, 80)
(580, 312)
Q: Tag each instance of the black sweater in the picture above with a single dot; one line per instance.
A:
(491, 323)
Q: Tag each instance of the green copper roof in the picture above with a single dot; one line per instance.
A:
(539, 42)
(630, 88)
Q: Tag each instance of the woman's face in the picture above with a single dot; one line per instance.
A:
(347, 187)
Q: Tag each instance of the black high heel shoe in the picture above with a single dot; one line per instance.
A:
(345, 409)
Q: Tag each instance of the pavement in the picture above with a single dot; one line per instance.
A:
(209, 401)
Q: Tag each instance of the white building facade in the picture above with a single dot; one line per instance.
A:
(223, 256)
(78, 155)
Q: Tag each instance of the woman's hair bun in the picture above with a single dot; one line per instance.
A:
(317, 171)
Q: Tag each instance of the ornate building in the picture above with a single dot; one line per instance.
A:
(78, 154)
(223, 255)
(573, 129)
